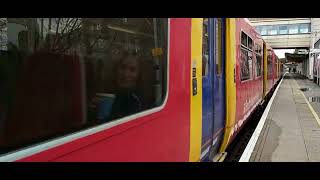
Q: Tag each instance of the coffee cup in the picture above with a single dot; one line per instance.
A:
(105, 106)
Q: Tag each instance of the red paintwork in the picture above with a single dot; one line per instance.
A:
(251, 91)
(160, 136)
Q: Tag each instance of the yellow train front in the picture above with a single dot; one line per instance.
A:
(129, 89)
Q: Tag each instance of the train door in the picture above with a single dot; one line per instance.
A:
(213, 84)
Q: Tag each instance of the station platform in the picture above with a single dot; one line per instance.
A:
(289, 129)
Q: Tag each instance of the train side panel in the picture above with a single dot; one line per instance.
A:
(250, 91)
(249, 83)
(163, 135)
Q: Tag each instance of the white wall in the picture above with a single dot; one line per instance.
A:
(315, 35)
(288, 41)
(315, 31)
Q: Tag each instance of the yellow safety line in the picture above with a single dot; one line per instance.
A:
(310, 107)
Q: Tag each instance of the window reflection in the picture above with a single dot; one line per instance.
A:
(61, 75)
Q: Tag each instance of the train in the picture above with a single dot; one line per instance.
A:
(130, 89)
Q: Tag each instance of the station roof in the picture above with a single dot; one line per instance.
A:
(296, 57)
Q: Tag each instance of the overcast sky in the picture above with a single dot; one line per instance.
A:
(280, 52)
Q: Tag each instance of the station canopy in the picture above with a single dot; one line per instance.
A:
(297, 58)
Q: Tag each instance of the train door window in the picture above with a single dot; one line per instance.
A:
(269, 63)
(258, 65)
(218, 45)
(250, 58)
(62, 75)
(258, 54)
(205, 47)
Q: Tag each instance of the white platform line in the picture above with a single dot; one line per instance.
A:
(245, 157)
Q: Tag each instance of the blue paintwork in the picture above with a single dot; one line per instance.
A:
(213, 102)
(207, 99)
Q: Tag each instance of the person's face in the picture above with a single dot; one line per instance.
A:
(128, 74)
(115, 54)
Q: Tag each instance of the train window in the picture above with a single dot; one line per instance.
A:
(205, 48)
(258, 65)
(244, 39)
(269, 63)
(258, 53)
(246, 57)
(218, 45)
(245, 65)
(62, 75)
(250, 59)
(250, 43)
(258, 49)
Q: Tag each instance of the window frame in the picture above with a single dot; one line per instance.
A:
(206, 69)
(247, 49)
(219, 62)
(41, 146)
(259, 53)
(269, 68)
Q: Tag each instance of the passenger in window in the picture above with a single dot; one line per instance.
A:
(127, 98)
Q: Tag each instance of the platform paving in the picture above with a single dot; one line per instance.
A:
(291, 132)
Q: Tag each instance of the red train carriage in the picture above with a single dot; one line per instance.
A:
(158, 131)
(249, 79)
(255, 75)
(128, 89)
